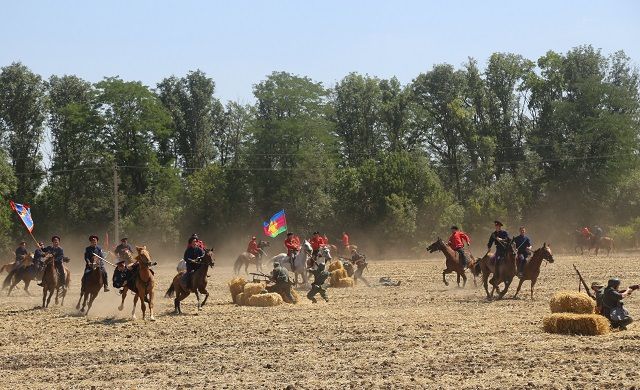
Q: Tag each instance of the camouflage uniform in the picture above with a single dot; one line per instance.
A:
(280, 277)
(320, 276)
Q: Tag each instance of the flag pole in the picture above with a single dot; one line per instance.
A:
(34, 239)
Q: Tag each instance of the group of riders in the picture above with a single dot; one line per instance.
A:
(500, 238)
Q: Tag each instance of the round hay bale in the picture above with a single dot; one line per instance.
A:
(335, 265)
(252, 289)
(572, 302)
(239, 300)
(344, 282)
(295, 295)
(336, 275)
(265, 300)
(236, 286)
(579, 324)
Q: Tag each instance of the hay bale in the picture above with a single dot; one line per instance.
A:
(335, 265)
(295, 295)
(236, 286)
(579, 324)
(344, 282)
(252, 289)
(265, 300)
(239, 300)
(572, 302)
(336, 275)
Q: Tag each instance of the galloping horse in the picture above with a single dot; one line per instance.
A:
(128, 257)
(246, 259)
(299, 266)
(198, 283)
(335, 249)
(581, 242)
(26, 273)
(452, 262)
(51, 281)
(144, 283)
(92, 282)
(532, 268)
(605, 243)
(11, 266)
(506, 271)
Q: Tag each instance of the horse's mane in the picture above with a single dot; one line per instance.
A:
(142, 252)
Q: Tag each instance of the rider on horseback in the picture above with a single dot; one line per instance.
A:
(89, 253)
(316, 242)
(21, 252)
(58, 256)
(292, 243)
(192, 257)
(254, 249)
(456, 242)
(500, 237)
(523, 247)
(38, 255)
(122, 249)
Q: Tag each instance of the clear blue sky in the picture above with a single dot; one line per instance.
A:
(239, 42)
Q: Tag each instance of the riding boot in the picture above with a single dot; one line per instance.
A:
(106, 287)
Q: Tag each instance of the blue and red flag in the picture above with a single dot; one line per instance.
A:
(24, 212)
(276, 225)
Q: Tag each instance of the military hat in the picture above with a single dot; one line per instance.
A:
(23, 243)
(91, 237)
(124, 239)
(253, 237)
(289, 234)
(314, 233)
(597, 285)
(613, 282)
(54, 237)
(496, 222)
(276, 264)
(454, 227)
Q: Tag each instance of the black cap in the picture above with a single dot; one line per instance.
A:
(23, 242)
(192, 239)
(194, 235)
(613, 282)
(91, 237)
(498, 223)
(54, 237)
(289, 234)
(314, 233)
(124, 239)
(454, 227)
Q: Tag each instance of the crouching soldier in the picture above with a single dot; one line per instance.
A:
(612, 307)
(360, 260)
(319, 277)
(281, 284)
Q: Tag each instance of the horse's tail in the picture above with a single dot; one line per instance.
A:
(7, 280)
(170, 291)
(237, 265)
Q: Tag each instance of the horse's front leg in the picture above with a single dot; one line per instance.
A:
(518, 289)
(151, 316)
(124, 295)
(143, 293)
(26, 287)
(533, 283)
(79, 299)
(206, 296)
(197, 298)
(444, 279)
(135, 302)
(464, 279)
(57, 293)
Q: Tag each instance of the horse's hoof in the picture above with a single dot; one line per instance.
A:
(152, 318)
(120, 308)
(133, 317)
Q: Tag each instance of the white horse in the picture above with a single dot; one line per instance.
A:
(299, 263)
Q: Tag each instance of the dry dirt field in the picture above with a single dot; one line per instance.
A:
(419, 335)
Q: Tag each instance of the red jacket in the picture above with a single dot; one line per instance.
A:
(316, 242)
(345, 240)
(585, 232)
(253, 247)
(457, 240)
(292, 243)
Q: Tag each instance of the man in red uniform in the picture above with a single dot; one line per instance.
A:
(316, 242)
(456, 242)
(253, 247)
(292, 243)
(345, 241)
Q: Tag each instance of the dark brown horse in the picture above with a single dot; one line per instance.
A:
(51, 281)
(92, 282)
(145, 283)
(25, 273)
(198, 283)
(604, 243)
(532, 268)
(452, 262)
(506, 271)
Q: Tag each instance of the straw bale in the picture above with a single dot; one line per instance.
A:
(239, 300)
(579, 324)
(252, 289)
(236, 286)
(265, 300)
(336, 275)
(344, 282)
(572, 302)
(335, 265)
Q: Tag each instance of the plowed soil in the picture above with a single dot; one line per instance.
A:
(418, 335)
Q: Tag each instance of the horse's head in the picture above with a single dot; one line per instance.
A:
(325, 252)
(27, 259)
(545, 252)
(48, 258)
(436, 246)
(95, 262)
(264, 244)
(208, 259)
(143, 256)
(307, 247)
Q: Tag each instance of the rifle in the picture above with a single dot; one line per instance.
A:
(258, 275)
(584, 284)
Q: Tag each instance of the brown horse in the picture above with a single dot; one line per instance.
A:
(532, 268)
(128, 258)
(26, 273)
(604, 243)
(9, 266)
(506, 271)
(198, 283)
(51, 281)
(452, 262)
(247, 259)
(92, 282)
(145, 283)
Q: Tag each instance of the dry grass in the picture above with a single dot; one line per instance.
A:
(578, 324)
(572, 302)
(265, 300)
(252, 289)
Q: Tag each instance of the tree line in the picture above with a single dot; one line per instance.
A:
(552, 143)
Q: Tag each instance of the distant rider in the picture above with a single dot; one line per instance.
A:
(457, 241)
(523, 247)
(192, 256)
(292, 243)
(89, 253)
(500, 238)
(58, 256)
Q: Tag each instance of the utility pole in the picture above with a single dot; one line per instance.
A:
(116, 222)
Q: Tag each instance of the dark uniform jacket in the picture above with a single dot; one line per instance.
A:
(522, 243)
(88, 255)
(610, 300)
(21, 251)
(501, 249)
(121, 248)
(192, 254)
(58, 253)
(320, 276)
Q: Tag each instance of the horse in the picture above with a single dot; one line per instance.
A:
(26, 274)
(198, 283)
(335, 249)
(51, 281)
(145, 284)
(324, 253)
(452, 262)
(299, 266)
(532, 268)
(11, 266)
(246, 259)
(92, 282)
(604, 242)
(506, 271)
(581, 242)
(128, 258)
